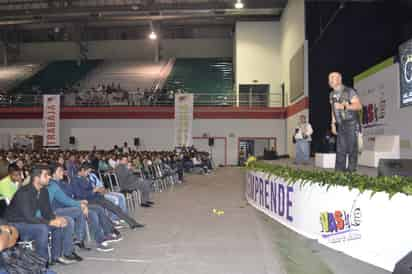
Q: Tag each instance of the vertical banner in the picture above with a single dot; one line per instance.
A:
(183, 119)
(405, 63)
(51, 120)
(379, 98)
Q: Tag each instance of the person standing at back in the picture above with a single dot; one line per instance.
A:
(303, 133)
(345, 105)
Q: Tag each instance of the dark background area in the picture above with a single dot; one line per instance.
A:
(349, 37)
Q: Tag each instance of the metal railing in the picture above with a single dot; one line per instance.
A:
(200, 99)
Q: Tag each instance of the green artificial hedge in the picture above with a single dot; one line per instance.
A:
(391, 185)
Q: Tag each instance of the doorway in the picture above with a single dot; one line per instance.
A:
(254, 146)
(254, 95)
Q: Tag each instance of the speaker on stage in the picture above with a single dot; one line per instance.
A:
(72, 140)
(211, 141)
(391, 167)
(136, 141)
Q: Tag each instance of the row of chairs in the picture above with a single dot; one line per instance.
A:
(161, 176)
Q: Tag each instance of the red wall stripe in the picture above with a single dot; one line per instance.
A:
(157, 112)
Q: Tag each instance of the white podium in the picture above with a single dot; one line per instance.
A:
(383, 147)
(325, 160)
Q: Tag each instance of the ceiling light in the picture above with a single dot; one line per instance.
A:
(153, 35)
(239, 4)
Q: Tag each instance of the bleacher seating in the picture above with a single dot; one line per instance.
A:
(129, 74)
(202, 75)
(11, 76)
(57, 75)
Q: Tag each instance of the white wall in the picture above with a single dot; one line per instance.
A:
(292, 28)
(127, 49)
(154, 134)
(47, 51)
(258, 54)
(196, 48)
(292, 25)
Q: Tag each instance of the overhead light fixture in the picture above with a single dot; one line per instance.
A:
(239, 5)
(152, 35)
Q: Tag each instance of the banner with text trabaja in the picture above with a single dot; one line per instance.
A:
(51, 121)
(370, 228)
(183, 120)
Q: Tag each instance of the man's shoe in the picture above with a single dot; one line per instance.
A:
(74, 257)
(82, 245)
(64, 261)
(150, 203)
(104, 247)
(112, 239)
(135, 226)
(145, 205)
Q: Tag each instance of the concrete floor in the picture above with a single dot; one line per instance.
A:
(182, 235)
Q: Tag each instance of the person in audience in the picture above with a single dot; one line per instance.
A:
(113, 160)
(76, 210)
(71, 166)
(30, 212)
(126, 149)
(64, 204)
(9, 249)
(4, 165)
(10, 184)
(129, 182)
(115, 197)
(84, 190)
(104, 165)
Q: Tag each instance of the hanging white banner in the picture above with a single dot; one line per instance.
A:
(183, 120)
(51, 120)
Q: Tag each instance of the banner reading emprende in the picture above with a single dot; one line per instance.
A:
(51, 120)
(183, 120)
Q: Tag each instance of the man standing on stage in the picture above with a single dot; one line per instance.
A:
(345, 105)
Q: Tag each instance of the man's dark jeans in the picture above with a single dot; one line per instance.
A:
(347, 145)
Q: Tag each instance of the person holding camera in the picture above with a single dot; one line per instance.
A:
(302, 139)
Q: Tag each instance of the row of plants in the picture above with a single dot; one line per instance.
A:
(391, 185)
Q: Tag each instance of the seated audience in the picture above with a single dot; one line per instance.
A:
(30, 212)
(129, 182)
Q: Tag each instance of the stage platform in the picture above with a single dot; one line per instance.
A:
(373, 172)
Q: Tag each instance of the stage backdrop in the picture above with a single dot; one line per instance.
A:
(183, 120)
(379, 92)
(374, 230)
(51, 121)
(405, 58)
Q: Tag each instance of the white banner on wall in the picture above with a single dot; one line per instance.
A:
(373, 230)
(183, 120)
(51, 120)
(379, 95)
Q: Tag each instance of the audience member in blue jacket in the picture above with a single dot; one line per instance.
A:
(114, 197)
(83, 190)
(99, 222)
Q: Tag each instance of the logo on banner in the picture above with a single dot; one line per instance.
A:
(407, 69)
(340, 225)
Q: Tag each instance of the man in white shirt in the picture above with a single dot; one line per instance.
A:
(302, 136)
